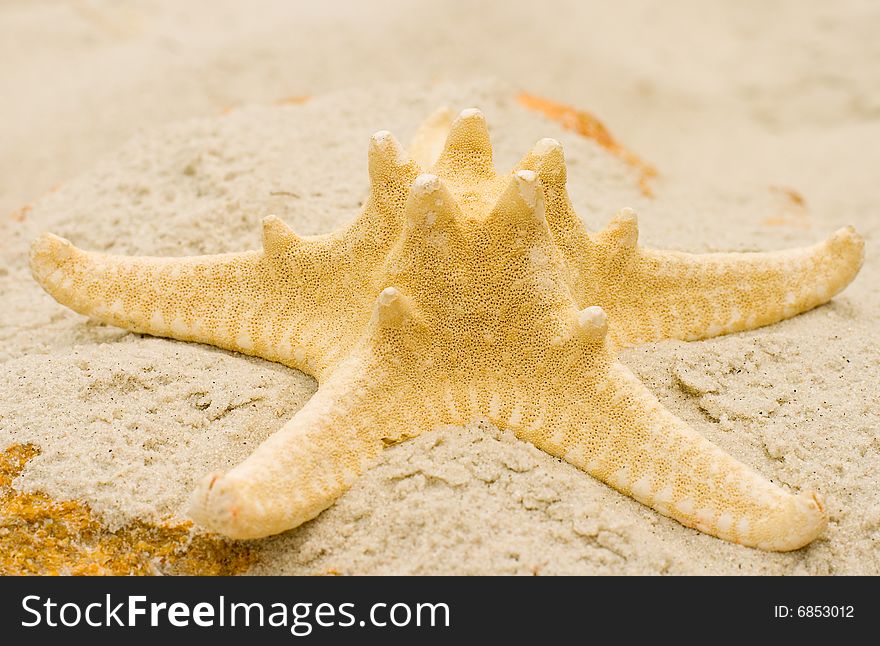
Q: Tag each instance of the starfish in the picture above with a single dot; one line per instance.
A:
(463, 293)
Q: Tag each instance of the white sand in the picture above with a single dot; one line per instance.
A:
(745, 101)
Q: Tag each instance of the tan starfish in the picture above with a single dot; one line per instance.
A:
(465, 293)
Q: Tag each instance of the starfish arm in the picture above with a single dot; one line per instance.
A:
(183, 298)
(652, 295)
(312, 460)
(617, 431)
(225, 300)
(274, 304)
(367, 403)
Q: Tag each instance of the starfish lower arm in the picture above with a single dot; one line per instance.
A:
(626, 438)
(300, 470)
(313, 459)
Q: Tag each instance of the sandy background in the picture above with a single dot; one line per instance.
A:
(736, 104)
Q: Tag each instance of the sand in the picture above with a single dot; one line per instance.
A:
(763, 122)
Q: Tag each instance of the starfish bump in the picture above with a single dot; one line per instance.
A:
(461, 293)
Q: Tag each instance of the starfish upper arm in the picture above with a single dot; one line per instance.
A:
(653, 295)
(223, 300)
(301, 302)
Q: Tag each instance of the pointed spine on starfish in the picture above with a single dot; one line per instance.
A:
(392, 309)
(547, 159)
(468, 150)
(520, 206)
(391, 170)
(431, 213)
(396, 331)
(430, 229)
(389, 162)
(528, 186)
(593, 323)
(622, 231)
(278, 237)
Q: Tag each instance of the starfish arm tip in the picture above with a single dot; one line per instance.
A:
(801, 521)
(215, 505)
(236, 507)
(47, 254)
(848, 243)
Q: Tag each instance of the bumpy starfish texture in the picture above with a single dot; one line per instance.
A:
(459, 294)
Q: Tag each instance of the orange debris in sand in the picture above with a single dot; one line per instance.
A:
(293, 100)
(796, 198)
(20, 214)
(793, 210)
(41, 536)
(586, 125)
(287, 100)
